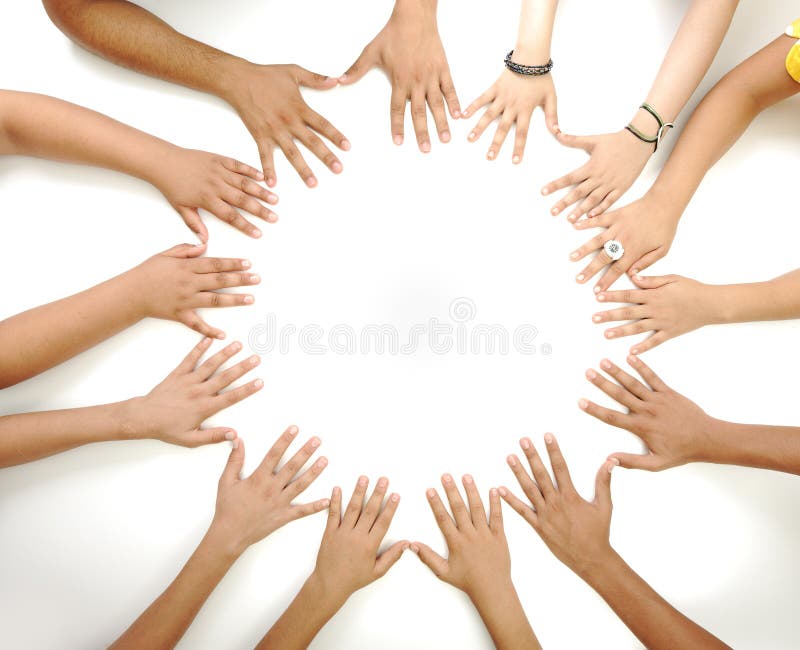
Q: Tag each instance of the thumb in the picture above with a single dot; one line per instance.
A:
(192, 219)
(551, 113)
(389, 557)
(235, 464)
(575, 141)
(364, 63)
(647, 462)
(651, 282)
(185, 250)
(313, 80)
(602, 484)
(431, 559)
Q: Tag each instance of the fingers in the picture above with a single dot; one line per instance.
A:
(389, 557)
(313, 80)
(457, 507)
(632, 296)
(219, 265)
(443, 519)
(316, 146)
(185, 251)
(647, 260)
(397, 113)
(631, 384)
(600, 261)
(353, 511)
(520, 138)
(593, 244)
(226, 280)
(230, 215)
(591, 201)
(614, 272)
(602, 483)
(190, 318)
(431, 559)
(486, 98)
(495, 511)
(559, 465)
(384, 520)
(648, 462)
(286, 473)
(242, 169)
(620, 314)
(531, 489)
(614, 418)
(233, 468)
(236, 395)
(606, 203)
(306, 509)
(214, 362)
(519, 506)
(551, 113)
(334, 511)
(419, 117)
(325, 128)
(200, 437)
(489, 116)
(276, 452)
(373, 507)
(573, 196)
(503, 127)
(213, 300)
(436, 103)
(363, 64)
(650, 342)
(266, 152)
(296, 160)
(239, 199)
(639, 327)
(575, 141)
(224, 379)
(190, 360)
(617, 393)
(476, 510)
(573, 178)
(450, 96)
(652, 379)
(192, 219)
(302, 483)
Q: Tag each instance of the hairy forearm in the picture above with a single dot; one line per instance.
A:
(504, 618)
(752, 445)
(308, 613)
(27, 437)
(133, 37)
(655, 622)
(535, 31)
(43, 337)
(45, 127)
(164, 623)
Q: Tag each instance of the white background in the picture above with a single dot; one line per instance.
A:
(89, 538)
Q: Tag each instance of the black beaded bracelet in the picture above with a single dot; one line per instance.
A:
(528, 70)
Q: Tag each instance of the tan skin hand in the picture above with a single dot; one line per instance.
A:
(348, 556)
(249, 509)
(645, 228)
(174, 284)
(674, 429)
(191, 180)
(668, 305)
(575, 530)
(408, 49)
(511, 101)
(478, 558)
(268, 99)
(615, 162)
(174, 410)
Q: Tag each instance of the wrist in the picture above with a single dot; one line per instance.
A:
(496, 593)
(235, 80)
(130, 422)
(221, 543)
(527, 54)
(595, 568)
(425, 9)
(665, 201)
(711, 440)
(327, 597)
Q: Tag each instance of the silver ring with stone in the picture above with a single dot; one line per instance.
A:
(614, 249)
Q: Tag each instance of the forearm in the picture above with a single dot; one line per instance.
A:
(30, 436)
(655, 622)
(45, 127)
(777, 299)
(133, 37)
(752, 445)
(535, 31)
(164, 623)
(308, 613)
(43, 337)
(504, 618)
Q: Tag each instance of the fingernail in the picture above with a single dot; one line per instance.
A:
(248, 300)
(515, 160)
(447, 479)
(610, 334)
(382, 482)
(336, 167)
(457, 113)
(345, 145)
(235, 347)
(235, 443)
(545, 191)
(525, 443)
(255, 232)
(255, 279)
(638, 278)
(596, 289)
(580, 277)
(445, 136)
(430, 493)
(491, 155)
(633, 359)
(512, 460)
(554, 211)
(556, 128)
(468, 479)
(398, 139)
(597, 318)
(254, 360)
(362, 481)
(574, 255)
(425, 147)
(634, 271)
(583, 403)
(230, 435)
(548, 438)
(292, 430)
(315, 442)
(601, 297)
(221, 336)
(471, 136)
(414, 548)
(322, 462)
(311, 181)
(605, 364)
(635, 351)
(591, 374)
(395, 498)
(258, 384)
(272, 199)
(245, 264)
(503, 492)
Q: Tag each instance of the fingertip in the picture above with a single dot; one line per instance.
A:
(398, 139)
(583, 404)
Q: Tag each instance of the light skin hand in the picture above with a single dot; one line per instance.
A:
(268, 99)
(668, 306)
(512, 100)
(174, 284)
(175, 409)
(191, 180)
(408, 49)
(646, 229)
(674, 429)
(615, 162)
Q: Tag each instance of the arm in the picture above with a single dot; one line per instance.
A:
(248, 510)
(172, 412)
(719, 120)
(171, 285)
(267, 98)
(409, 50)
(478, 562)
(617, 159)
(577, 532)
(45, 127)
(347, 561)
(513, 97)
(672, 305)
(676, 431)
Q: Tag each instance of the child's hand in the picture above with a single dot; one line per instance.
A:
(174, 284)
(512, 99)
(675, 429)
(348, 556)
(615, 162)
(478, 560)
(191, 180)
(250, 509)
(668, 306)
(575, 530)
(174, 410)
(645, 228)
